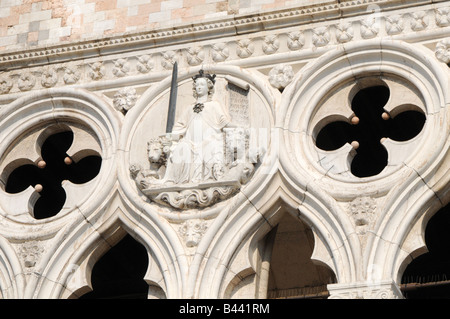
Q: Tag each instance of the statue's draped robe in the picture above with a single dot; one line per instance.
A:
(200, 150)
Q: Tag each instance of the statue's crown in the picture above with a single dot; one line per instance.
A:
(202, 74)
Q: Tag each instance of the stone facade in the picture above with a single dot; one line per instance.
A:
(282, 72)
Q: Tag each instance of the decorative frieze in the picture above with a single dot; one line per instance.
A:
(301, 40)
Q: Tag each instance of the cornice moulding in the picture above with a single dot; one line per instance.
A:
(206, 30)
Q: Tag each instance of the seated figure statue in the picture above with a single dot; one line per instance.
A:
(197, 137)
(190, 161)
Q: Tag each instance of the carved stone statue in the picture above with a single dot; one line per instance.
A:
(188, 166)
(200, 147)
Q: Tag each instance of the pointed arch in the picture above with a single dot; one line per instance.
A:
(239, 233)
(414, 183)
(68, 271)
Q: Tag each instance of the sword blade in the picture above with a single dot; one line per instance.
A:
(173, 99)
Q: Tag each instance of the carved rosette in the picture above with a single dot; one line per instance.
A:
(195, 56)
(321, 36)
(71, 74)
(121, 67)
(49, 77)
(245, 48)
(296, 40)
(169, 59)
(97, 70)
(26, 81)
(281, 75)
(145, 64)
(220, 52)
(344, 32)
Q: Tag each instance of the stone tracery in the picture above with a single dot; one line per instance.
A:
(303, 187)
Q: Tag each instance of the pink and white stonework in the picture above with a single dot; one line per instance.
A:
(220, 224)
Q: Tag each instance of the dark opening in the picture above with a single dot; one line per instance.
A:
(371, 156)
(292, 274)
(428, 276)
(119, 273)
(368, 106)
(53, 152)
(405, 125)
(334, 136)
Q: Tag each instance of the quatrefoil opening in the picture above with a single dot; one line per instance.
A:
(381, 110)
(51, 170)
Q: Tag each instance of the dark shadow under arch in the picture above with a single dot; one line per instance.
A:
(428, 276)
(292, 273)
(119, 273)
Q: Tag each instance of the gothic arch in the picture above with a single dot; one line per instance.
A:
(412, 176)
(254, 220)
(68, 271)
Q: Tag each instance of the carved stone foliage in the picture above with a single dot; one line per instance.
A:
(195, 56)
(271, 44)
(443, 51)
(419, 20)
(97, 71)
(125, 99)
(145, 64)
(321, 36)
(26, 81)
(370, 27)
(5, 85)
(296, 40)
(142, 63)
(220, 52)
(280, 76)
(71, 74)
(245, 48)
(121, 67)
(344, 32)
(49, 77)
(443, 17)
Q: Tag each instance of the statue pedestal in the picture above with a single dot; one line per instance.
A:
(192, 195)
